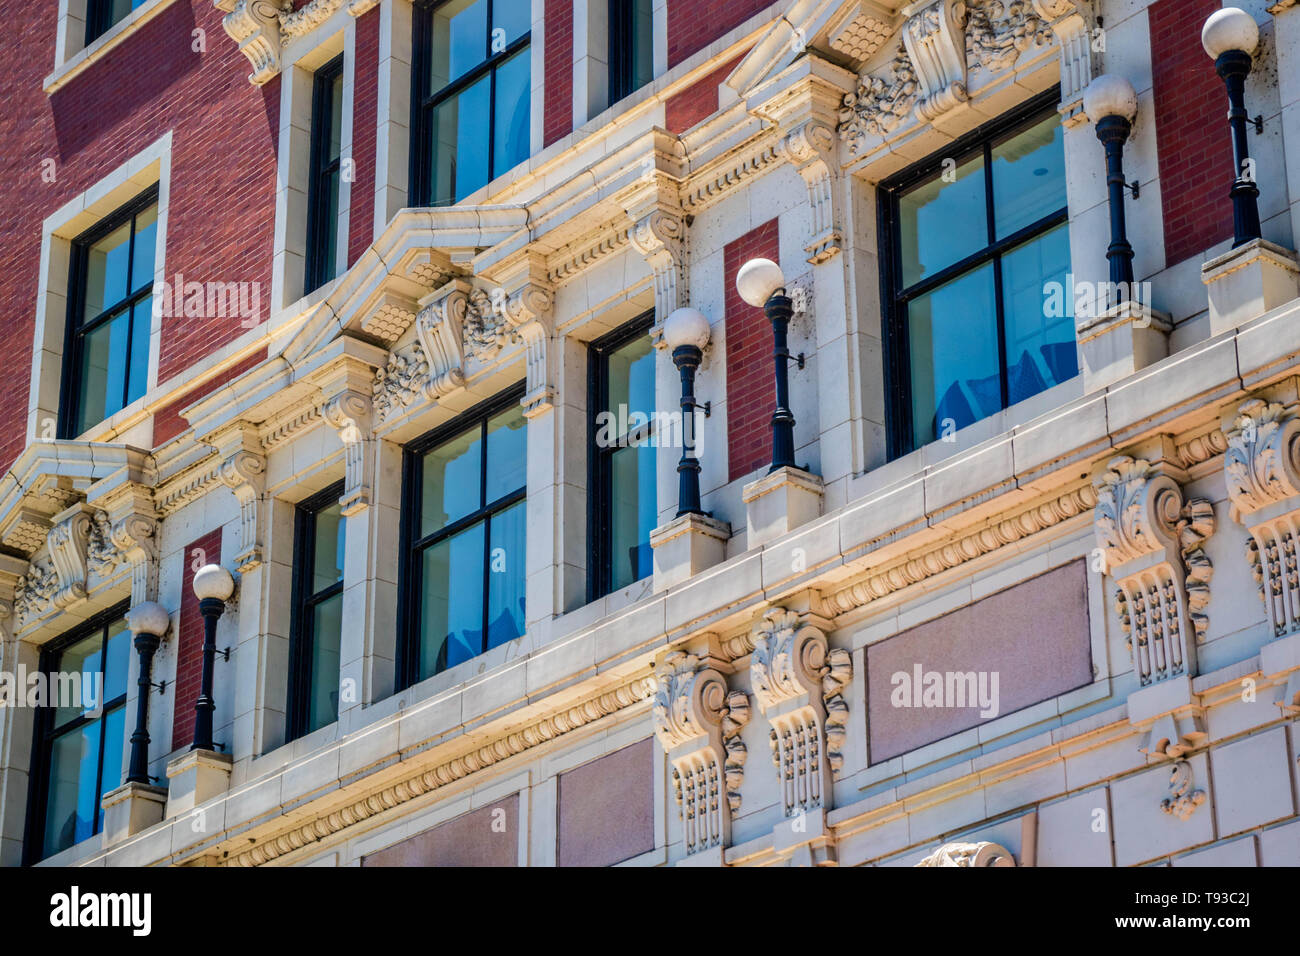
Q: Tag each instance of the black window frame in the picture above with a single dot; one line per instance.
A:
(301, 636)
(622, 45)
(413, 544)
(322, 234)
(600, 476)
(424, 101)
(894, 296)
(44, 732)
(75, 329)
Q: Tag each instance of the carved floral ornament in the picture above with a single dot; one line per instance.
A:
(262, 27)
(459, 323)
(940, 41)
(1261, 469)
(970, 854)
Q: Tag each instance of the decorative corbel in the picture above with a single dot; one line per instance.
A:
(698, 722)
(1173, 735)
(255, 26)
(660, 236)
(350, 414)
(810, 148)
(12, 570)
(1261, 468)
(439, 327)
(243, 470)
(969, 855)
(798, 682)
(1074, 35)
(68, 541)
(528, 309)
(33, 592)
(126, 531)
(935, 39)
(1151, 541)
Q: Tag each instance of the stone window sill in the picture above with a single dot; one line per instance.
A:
(76, 64)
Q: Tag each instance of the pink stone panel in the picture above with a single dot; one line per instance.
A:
(606, 808)
(488, 836)
(1032, 639)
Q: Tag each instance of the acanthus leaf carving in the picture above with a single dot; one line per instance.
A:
(255, 26)
(1261, 469)
(34, 591)
(1151, 540)
(698, 723)
(439, 327)
(399, 383)
(485, 328)
(970, 855)
(798, 681)
(68, 541)
(1000, 30)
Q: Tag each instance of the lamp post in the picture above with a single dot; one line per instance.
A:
(686, 332)
(213, 585)
(1230, 36)
(1111, 104)
(760, 282)
(148, 622)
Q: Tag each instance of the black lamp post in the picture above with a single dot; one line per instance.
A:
(1111, 103)
(1230, 36)
(760, 282)
(148, 621)
(686, 332)
(213, 585)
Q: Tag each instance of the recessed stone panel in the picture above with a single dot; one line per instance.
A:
(606, 808)
(1003, 653)
(488, 836)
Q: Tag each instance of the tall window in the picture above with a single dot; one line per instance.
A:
(631, 47)
(463, 522)
(110, 304)
(624, 507)
(317, 628)
(976, 238)
(81, 733)
(470, 99)
(323, 188)
(102, 14)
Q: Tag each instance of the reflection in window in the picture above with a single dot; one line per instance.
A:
(82, 730)
(471, 96)
(624, 503)
(631, 46)
(323, 186)
(464, 521)
(977, 237)
(317, 628)
(106, 362)
(102, 14)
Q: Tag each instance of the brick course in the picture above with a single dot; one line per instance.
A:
(167, 421)
(751, 387)
(694, 24)
(223, 167)
(365, 111)
(698, 101)
(1192, 140)
(557, 118)
(189, 640)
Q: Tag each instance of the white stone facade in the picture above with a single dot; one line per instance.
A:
(1175, 490)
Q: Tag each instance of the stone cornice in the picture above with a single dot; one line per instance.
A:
(435, 769)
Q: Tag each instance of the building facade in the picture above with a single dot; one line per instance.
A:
(359, 332)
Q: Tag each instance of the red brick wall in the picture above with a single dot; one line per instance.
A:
(1195, 151)
(694, 24)
(223, 170)
(365, 111)
(167, 421)
(557, 118)
(189, 640)
(751, 388)
(698, 101)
